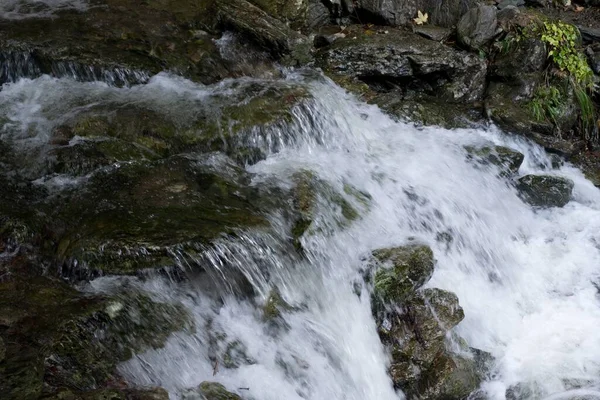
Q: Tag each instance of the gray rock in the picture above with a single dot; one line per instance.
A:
(317, 14)
(593, 58)
(507, 14)
(545, 190)
(589, 35)
(477, 27)
(444, 13)
(510, 3)
(526, 56)
(267, 32)
(437, 33)
(509, 161)
(398, 57)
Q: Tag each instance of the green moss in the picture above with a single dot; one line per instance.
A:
(274, 306)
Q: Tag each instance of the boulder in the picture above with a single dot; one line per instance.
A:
(407, 61)
(444, 13)
(401, 271)
(292, 12)
(266, 31)
(503, 4)
(507, 160)
(477, 27)
(56, 338)
(122, 42)
(422, 366)
(317, 15)
(142, 211)
(589, 35)
(111, 394)
(593, 54)
(545, 190)
(210, 391)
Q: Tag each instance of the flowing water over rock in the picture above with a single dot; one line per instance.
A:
(19, 9)
(526, 277)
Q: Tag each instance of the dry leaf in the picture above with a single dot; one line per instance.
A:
(421, 18)
(579, 8)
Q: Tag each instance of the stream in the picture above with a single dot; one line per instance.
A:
(526, 278)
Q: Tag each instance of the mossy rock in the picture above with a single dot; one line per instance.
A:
(132, 217)
(111, 394)
(420, 334)
(240, 124)
(451, 377)
(545, 190)
(210, 391)
(125, 41)
(58, 339)
(507, 160)
(236, 355)
(86, 352)
(403, 270)
(309, 191)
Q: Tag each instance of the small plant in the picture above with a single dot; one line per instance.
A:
(546, 104)
(563, 42)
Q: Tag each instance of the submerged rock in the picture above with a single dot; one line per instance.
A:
(509, 161)
(404, 270)
(545, 190)
(308, 193)
(477, 27)
(210, 391)
(128, 218)
(406, 60)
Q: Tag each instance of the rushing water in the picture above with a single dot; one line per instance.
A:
(526, 278)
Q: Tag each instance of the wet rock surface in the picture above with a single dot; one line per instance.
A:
(406, 60)
(415, 326)
(545, 190)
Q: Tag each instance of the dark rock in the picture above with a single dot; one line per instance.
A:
(589, 35)
(430, 111)
(57, 338)
(317, 15)
(403, 270)
(444, 13)
(292, 12)
(477, 27)
(141, 210)
(529, 55)
(326, 40)
(593, 58)
(545, 190)
(449, 377)
(210, 391)
(538, 3)
(118, 43)
(111, 394)
(404, 60)
(267, 32)
(437, 33)
(504, 4)
(506, 15)
(506, 159)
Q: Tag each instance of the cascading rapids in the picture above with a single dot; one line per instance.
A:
(525, 278)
